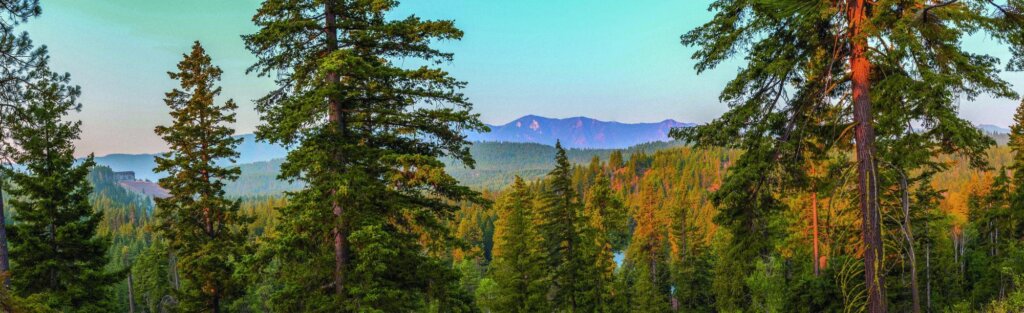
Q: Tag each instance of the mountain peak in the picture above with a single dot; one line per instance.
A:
(578, 132)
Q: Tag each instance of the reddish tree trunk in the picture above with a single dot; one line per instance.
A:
(860, 72)
(336, 117)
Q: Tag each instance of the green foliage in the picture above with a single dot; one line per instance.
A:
(367, 134)
(497, 163)
(764, 284)
(155, 279)
(563, 227)
(517, 270)
(56, 250)
(203, 228)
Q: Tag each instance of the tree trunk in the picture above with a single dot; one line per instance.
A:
(336, 117)
(5, 263)
(52, 236)
(172, 261)
(908, 232)
(216, 303)
(928, 276)
(131, 294)
(860, 73)
(814, 225)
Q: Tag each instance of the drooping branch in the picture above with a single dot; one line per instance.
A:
(924, 13)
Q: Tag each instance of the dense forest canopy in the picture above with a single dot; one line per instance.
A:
(841, 179)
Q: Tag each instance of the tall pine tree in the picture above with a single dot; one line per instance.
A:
(563, 227)
(518, 266)
(56, 250)
(204, 228)
(367, 134)
(1016, 144)
(19, 61)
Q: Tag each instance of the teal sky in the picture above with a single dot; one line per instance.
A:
(611, 60)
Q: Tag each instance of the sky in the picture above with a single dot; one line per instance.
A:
(605, 59)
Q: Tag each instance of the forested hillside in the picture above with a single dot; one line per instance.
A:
(497, 163)
(671, 224)
(659, 191)
(841, 177)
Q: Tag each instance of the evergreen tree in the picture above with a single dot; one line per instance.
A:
(690, 267)
(992, 246)
(518, 266)
(1016, 144)
(56, 250)
(841, 72)
(607, 214)
(154, 278)
(606, 221)
(367, 134)
(19, 62)
(203, 228)
(563, 228)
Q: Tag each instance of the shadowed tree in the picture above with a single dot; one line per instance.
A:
(57, 253)
(19, 59)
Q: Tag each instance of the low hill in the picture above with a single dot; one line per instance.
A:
(497, 163)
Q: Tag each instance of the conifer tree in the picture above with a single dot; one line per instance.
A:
(991, 257)
(844, 73)
(56, 250)
(518, 266)
(19, 61)
(648, 252)
(1016, 144)
(203, 228)
(606, 219)
(367, 134)
(607, 214)
(562, 227)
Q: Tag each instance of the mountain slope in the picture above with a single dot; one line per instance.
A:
(578, 132)
(993, 129)
(250, 151)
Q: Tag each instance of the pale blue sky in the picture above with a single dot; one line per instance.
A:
(611, 60)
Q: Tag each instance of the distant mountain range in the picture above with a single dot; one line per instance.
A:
(993, 129)
(260, 161)
(250, 151)
(578, 132)
(574, 132)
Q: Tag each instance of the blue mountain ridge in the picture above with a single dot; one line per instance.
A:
(250, 151)
(574, 132)
(578, 132)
